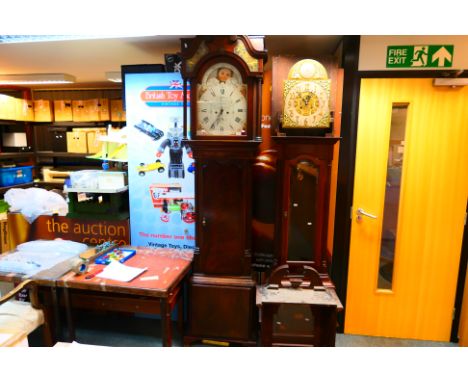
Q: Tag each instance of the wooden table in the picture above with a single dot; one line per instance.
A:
(156, 291)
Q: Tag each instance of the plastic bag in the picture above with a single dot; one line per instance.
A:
(53, 246)
(33, 202)
(33, 257)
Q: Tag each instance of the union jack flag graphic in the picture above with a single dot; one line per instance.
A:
(175, 84)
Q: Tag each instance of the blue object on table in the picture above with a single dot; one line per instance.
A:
(120, 255)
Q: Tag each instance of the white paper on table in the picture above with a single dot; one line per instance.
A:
(120, 272)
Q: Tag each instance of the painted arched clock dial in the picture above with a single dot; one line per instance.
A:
(221, 103)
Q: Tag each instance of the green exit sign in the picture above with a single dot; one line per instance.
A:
(420, 56)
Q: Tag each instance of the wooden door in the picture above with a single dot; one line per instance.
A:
(425, 203)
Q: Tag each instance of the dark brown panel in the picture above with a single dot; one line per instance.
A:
(222, 218)
(221, 311)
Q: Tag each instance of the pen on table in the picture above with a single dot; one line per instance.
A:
(91, 275)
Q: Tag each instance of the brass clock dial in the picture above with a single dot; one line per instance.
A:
(221, 103)
(306, 104)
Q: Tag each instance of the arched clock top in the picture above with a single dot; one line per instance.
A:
(197, 52)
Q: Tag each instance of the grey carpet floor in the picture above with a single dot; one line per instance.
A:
(131, 331)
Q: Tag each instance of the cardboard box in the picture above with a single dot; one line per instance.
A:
(63, 111)
(7, 107)
(78, 110)
(42, 110)
(25, 110)
(117, 112)
(91, 110)
(77, 142)
(93, 134)
(94, 143)
(55, 176)
(104, 111)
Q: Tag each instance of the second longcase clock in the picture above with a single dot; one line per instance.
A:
(225, 75)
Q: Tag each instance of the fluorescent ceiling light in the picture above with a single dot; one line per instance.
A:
(114, 76)
(11, 39)
(36, 78)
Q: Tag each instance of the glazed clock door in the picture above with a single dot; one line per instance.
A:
(301, 239)
(222, 218)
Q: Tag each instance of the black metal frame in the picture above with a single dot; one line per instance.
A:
(132, 69)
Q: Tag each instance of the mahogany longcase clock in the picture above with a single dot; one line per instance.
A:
(225, 75)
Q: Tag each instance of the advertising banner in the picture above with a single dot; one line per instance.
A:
(160, 166)
(90, 232)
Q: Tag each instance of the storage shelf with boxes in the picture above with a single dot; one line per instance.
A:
(58, 132)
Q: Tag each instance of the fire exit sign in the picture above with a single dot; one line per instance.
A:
(419, 56)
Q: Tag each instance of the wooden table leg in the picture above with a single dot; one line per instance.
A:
(68, 312)
(47, 307)
(166, 330)
(180, 314)
(55, 304)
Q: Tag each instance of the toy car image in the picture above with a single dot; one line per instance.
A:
(156, 166)
(150, 130)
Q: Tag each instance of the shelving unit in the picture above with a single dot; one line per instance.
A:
(23, 185)
(16, 157)
(45, 155)
(19, 155)
(40, 140)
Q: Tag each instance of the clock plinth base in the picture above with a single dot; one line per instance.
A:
(189, 341)
(306, 131)
(221, 309)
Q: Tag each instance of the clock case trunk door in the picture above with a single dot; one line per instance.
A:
(223, 180)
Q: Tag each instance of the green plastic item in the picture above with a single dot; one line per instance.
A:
(4, 206)
(174, 207)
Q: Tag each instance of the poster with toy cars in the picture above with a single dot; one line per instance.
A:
(160, 165)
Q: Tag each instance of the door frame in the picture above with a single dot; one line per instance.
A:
(346, 168)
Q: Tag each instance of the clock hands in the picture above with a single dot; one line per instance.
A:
(218, 118)
(306, 99)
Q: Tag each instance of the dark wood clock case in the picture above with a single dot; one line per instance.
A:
(303, 184)
(222, 289)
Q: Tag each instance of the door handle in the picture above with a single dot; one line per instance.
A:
(360, 213)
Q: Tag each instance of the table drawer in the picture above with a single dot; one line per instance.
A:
(114, 303)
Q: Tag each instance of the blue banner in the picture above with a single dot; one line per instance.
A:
(160, 166)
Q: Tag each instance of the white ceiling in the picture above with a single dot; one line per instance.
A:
(89, 60)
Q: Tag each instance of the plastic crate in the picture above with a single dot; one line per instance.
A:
(10, 176)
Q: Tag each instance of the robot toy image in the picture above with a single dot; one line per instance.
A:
(175, 144)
